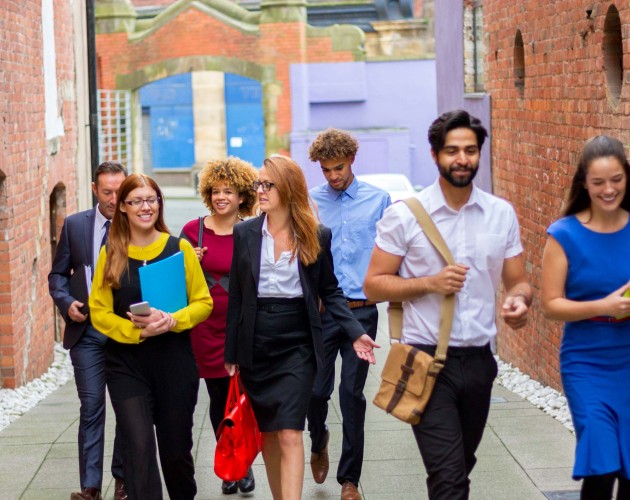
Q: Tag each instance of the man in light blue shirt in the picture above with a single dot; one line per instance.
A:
(351, 209)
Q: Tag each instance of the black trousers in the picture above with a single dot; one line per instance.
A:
(88, 360)
(154, 387)
(454, 419)
(351, 400)
(218, 389)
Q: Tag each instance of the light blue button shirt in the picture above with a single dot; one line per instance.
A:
(352, 216)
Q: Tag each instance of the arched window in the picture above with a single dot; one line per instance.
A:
(57, 205)
(519, 63)
(612, 48)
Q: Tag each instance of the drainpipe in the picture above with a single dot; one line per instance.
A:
(92, 87)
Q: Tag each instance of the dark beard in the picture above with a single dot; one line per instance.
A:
(457, 182)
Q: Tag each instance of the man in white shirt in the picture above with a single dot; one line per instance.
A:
(482, 232)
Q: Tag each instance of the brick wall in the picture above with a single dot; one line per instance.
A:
(537, 137)
(30, 173)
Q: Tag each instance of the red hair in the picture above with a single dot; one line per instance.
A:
(120, 231)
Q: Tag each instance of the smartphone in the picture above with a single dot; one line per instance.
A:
(140, 308)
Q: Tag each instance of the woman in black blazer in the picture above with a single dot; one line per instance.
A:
(281, 267)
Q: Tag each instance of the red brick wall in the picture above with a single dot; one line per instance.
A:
(537, 138)
(26, 310)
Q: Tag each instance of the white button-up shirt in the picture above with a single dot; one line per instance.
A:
(481, 235)
(279, 278)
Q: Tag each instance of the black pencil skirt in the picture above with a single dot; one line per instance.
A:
(281, 380)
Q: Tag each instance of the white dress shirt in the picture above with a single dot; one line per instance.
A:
(481, 235)
(279, 278)
(99, 232)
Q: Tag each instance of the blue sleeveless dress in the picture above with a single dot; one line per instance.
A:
(595, 356)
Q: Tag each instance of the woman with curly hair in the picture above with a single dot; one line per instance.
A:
(226, 189)
(281, 266)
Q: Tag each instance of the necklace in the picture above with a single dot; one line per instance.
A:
(142, 248)
(144, 261)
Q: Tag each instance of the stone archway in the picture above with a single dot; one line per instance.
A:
(219, 35)
(134, 81)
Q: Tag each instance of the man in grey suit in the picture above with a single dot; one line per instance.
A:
(82, 236)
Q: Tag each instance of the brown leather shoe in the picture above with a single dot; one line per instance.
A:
(320, 463)
(87, 494)
(350, 492)
(119, 490)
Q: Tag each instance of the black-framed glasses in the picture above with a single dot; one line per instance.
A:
(138, 202)
(266, 186)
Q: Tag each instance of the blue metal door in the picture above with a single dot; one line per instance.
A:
(244, 119)
(169, 102)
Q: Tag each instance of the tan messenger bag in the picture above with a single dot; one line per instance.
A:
(409, 374)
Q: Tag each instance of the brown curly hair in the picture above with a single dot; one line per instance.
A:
(332, 144)
(234, 172)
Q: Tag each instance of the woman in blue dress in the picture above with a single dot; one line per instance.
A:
(585, 272)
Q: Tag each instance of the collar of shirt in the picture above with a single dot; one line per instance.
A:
(264, 229)
(99, 231)
(437, 202)
(268, 245)
(100, 221)
(351, 191)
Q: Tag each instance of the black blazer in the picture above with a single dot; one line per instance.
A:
(318, 281)
(74, 249)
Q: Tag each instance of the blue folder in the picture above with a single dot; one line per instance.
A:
(163, 283)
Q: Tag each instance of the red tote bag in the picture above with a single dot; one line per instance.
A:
(239, 440)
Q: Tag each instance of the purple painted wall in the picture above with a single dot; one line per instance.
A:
(388, 106)
(449, 55)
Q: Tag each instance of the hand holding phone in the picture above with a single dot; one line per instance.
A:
(140, 309)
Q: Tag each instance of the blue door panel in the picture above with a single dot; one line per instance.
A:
(244, 119)
(172, 124)
(172, 136)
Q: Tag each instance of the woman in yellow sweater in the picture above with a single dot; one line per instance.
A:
(150, 369)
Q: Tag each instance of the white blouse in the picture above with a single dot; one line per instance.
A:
(281, 278)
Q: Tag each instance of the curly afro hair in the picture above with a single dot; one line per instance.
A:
(234, 172)
(332, 144)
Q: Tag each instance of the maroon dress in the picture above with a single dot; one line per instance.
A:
(208, 337)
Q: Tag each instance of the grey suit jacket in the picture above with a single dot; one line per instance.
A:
(74, 249)
(318, 281)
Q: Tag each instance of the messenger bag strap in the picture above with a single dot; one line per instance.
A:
(407, 370)
(448, 304)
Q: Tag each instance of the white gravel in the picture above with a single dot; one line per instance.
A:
(547, 399)
(16, 402)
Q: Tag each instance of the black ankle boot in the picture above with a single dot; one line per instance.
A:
(229, 487)
(248, 483)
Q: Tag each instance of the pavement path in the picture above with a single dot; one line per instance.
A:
(525, 454)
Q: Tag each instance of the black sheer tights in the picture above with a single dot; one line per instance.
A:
(601, 487)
